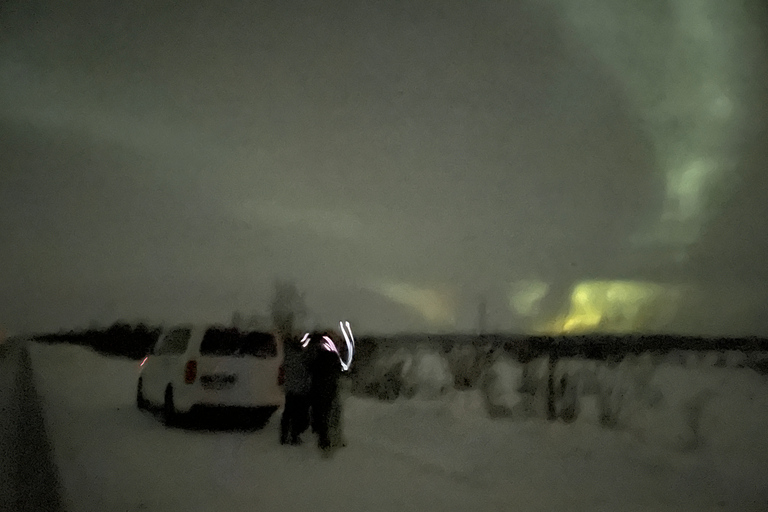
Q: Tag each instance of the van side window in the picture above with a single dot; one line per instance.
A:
(175, 342)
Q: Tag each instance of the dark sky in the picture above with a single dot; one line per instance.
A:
(397, 160)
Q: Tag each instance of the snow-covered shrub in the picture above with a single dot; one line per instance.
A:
(672, 405)
(515, 389)
(585, 374)
(501, 387)
(612, 395)
(461, 360)
(713, 358)
(576, 382)
(758, 361)
(383, 377)
(606, 392)
(467, 364)
(534, 388)
(570, 396)
(428, 375)
(669, 402)
(535, 372)
(565, 386)
(735, 359)
(624, 387)
(567, 403)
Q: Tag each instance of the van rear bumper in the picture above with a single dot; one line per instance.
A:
(222, 416)
(196, 397)
(207, 409)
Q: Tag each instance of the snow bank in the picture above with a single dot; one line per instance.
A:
(672, 420)
(672, 401)
(735, 359)
(683, 403)
(534, 387)
(718, 407)
(677, 407)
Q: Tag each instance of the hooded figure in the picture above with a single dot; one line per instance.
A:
(298, 378)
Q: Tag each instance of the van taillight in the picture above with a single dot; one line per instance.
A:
(190, 372)
(281, 376)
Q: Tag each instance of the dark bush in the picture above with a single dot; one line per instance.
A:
(120, 339)
(389, 387)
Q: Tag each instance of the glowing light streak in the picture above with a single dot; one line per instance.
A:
(330, 345)
(144, 361)
(350, 340)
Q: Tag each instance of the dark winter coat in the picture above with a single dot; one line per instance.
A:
(326, 371)
(298, 377)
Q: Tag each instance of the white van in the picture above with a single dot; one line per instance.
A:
(197, 366)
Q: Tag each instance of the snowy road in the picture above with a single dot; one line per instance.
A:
(402, 456)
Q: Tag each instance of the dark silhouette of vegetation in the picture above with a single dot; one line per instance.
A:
(135, 342)
(120, 339)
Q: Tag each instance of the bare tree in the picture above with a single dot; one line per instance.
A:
(257, 322)
(237, 320)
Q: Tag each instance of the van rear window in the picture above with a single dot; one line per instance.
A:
(231, 342)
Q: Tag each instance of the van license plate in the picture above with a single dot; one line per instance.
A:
(218, 381)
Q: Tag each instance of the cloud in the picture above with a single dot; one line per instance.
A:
(685, 77)
(525, 296)
(68, 101)
(297, 216)
(470, 148)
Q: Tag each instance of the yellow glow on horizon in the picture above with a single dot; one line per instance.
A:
(616, 307)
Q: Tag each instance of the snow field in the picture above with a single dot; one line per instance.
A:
(440, 450)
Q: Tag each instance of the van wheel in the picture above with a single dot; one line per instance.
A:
(170, 414)
(141, 402)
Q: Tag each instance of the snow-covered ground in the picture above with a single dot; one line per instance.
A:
(418, 454)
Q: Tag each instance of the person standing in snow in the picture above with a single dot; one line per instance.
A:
(325, 400)
(295, 418)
